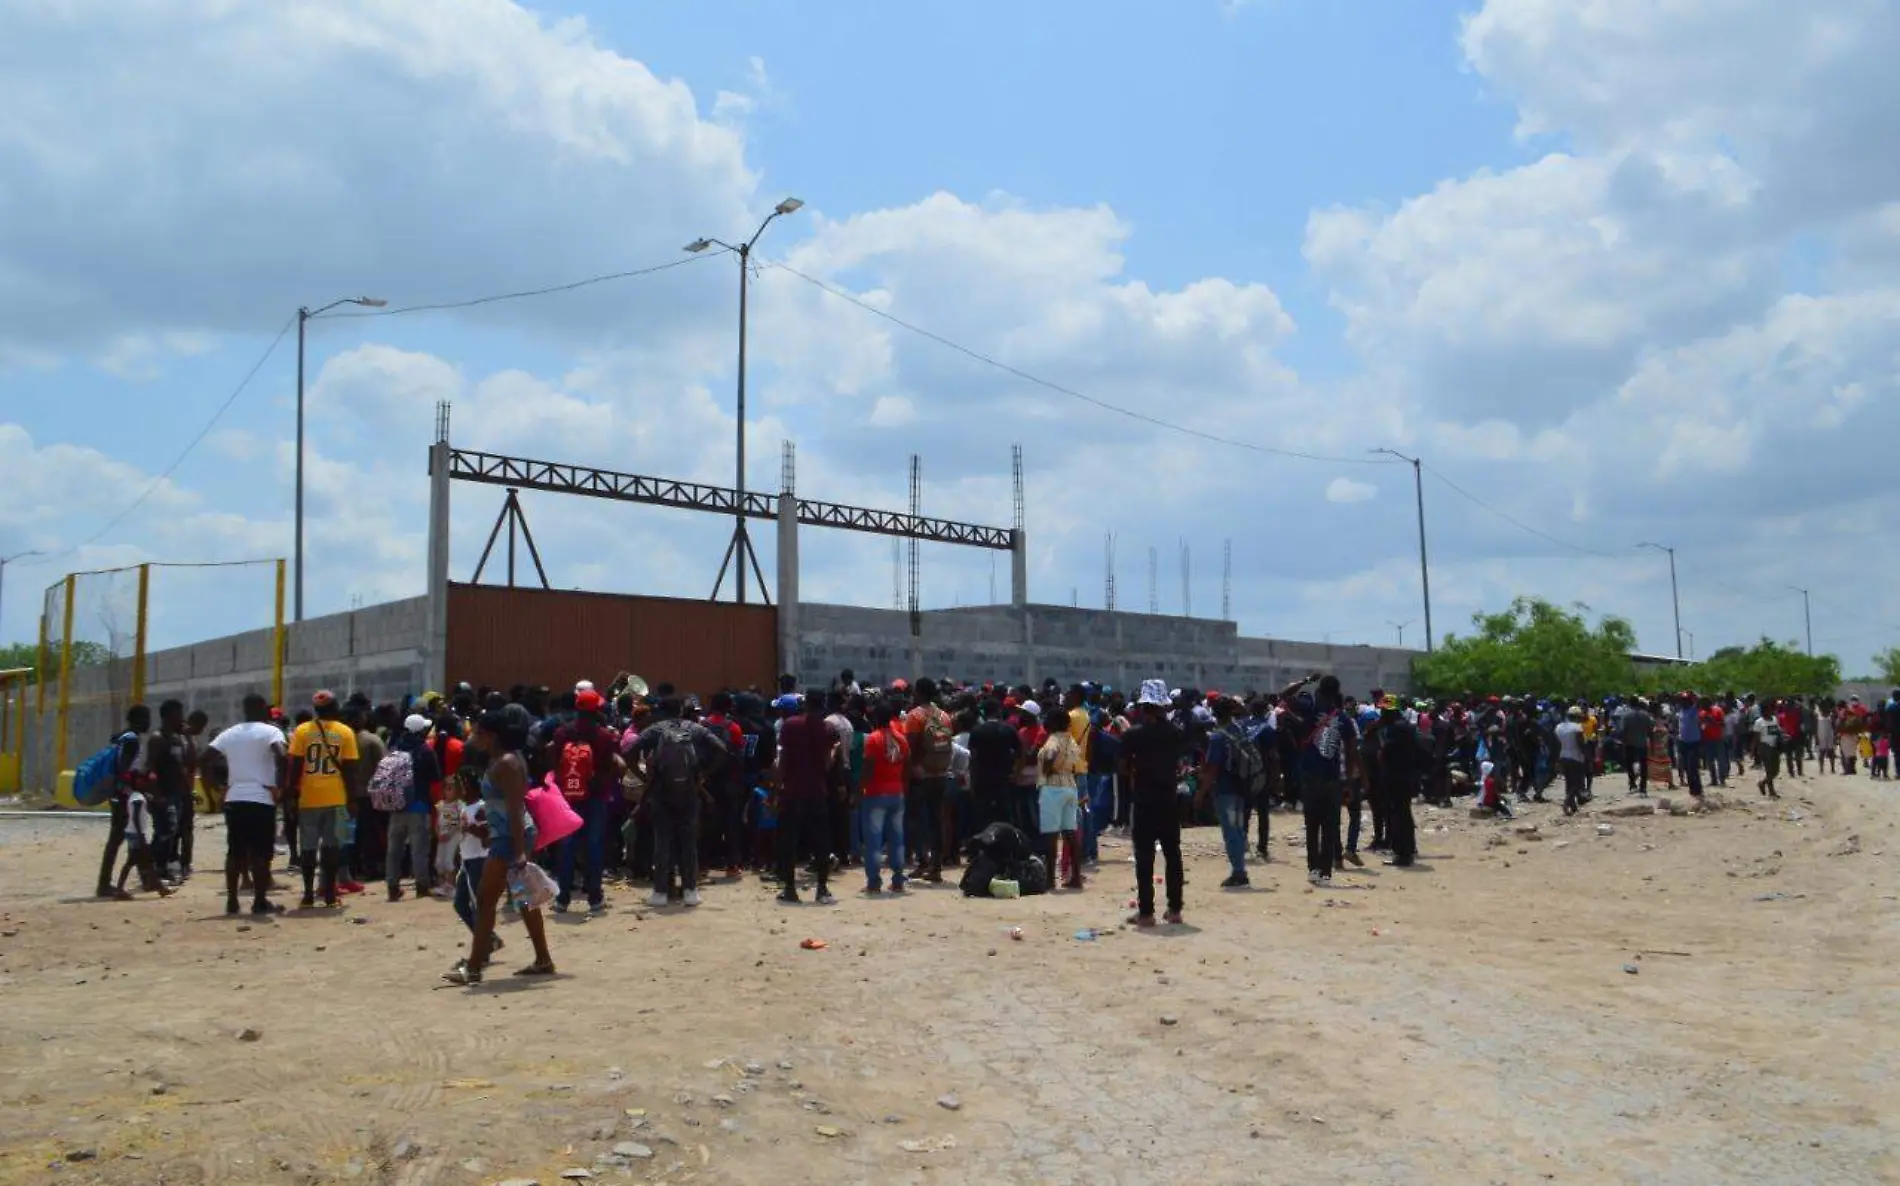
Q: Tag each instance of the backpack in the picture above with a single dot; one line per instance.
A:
(1033, 877)
(1319, 757)
(575, 770)
(675, 766)
(392, 781)
(932, 753)
(1003, 843)
(97, 777)
(1244, 764)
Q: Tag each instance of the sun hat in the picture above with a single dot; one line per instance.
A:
(1155, 692)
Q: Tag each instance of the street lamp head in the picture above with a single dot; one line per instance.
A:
(698, 245)
(370, 302)
(788, 205)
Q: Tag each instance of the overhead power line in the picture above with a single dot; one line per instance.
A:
(494, 298)
(1039, 381)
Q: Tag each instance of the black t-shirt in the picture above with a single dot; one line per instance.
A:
(167, 761)
(1153, 751)
(994, 747)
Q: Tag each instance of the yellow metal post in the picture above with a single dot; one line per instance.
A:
(65, 684)
(277, 644)
(46, 655)
(138, 647)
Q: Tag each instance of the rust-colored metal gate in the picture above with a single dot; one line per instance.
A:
(500, 636)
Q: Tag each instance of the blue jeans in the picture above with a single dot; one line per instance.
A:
(593, 834)
(1689, 761)
(1098, 801)
(1232, 812)
(857, 831)
(465, 885)
(883, 828)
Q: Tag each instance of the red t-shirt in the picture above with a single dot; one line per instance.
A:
(883, 773)
(449, 757)
(1712, 723)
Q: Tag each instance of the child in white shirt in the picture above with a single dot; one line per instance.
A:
(138, 844)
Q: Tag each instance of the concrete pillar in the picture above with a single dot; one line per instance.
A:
(1018, 568)
(435, 648)
(1029, 642)
(788, 615)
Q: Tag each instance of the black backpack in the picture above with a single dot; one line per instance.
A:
(1005, 845)
(1032, 877)
(977, 876)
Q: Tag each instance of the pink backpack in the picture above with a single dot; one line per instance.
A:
(554, 817)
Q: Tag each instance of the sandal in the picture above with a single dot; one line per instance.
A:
(462, 974)
(536, 969)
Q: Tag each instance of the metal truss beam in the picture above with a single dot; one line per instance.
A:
(467, 465)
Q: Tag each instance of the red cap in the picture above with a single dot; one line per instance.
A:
(589, 701)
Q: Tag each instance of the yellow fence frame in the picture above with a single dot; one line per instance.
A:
(63, 702)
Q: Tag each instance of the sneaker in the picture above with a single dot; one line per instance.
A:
(231, 906)
(897, 887)
(1326, 880)
(1352, 858)
(1172, 918)
(824, 898)
(789, 896)
(691, 897)
(657, 898)
(1312, 877)
(1144, 921)
(395, 895)
(597, 907)
(560, 908)
(1236, 881)
(873, 889)
(308, 902)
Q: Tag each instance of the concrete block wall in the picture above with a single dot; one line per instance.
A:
(375, 650)
(1069, 645)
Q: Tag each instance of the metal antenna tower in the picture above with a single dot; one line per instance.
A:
(788, 468)
(1154, 588)
(1108, 588)
(897, 575)
(1227, 580)
(916, 500)
(1016, 482)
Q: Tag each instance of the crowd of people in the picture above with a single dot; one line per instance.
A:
(892, 782)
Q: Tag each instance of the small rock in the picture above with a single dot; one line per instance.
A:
(893, 1120)
(1848, 847)
(1605, 829)
(244, 926)
(247, 1034)
(323, 947)
(633, 1149)
(723, 1100)
(520, 1182)
(159, 1089)
(404, 1150)
(358, 921)
(784, 1064)
(755, 1068)
(949, 1103)
(1629, 810)
(636, 1113)
(1317, 1119)
(82, 1155)
(829, 1130)
(1170, 1019)
(577, 1174)
(1632, 969)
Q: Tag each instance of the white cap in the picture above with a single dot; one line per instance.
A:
(1032, 708)
(586, 685)
(416, 723)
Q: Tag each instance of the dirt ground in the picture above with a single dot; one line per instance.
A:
(1694, 999)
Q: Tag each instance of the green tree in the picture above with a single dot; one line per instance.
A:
(1768, 668)
(1887, 663)
(27, 654)
(1536, 648)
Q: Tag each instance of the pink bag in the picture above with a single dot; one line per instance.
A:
(554, 817)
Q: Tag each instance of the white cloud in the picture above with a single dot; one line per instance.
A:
(1348, 491)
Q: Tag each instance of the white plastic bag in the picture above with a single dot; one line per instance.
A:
(530, 887)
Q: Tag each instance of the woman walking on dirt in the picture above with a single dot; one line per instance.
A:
(501, 734)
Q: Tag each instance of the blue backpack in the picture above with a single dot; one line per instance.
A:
(97, 776)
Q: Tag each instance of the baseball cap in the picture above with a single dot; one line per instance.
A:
(588, 700)
(1032, 708)
(323, 699)
(415, 722)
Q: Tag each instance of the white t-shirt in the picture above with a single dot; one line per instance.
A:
(1570, 741)
(474, 848)
(250, 752)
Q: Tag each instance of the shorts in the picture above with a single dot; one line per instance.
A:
(250, 829)
(320, 827)
(501, 846)
(1058, 809)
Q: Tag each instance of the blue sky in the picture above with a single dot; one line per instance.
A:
(1594, 262)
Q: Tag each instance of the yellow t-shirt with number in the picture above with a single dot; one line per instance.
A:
(322, 747)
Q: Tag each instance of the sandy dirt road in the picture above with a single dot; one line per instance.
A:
(1469, 1023)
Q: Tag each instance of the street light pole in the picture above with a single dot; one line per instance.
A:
(1424, 568)
(1400, 627)
(304, 314)
(1807, 616)
(739, 551)
(1675, 602)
